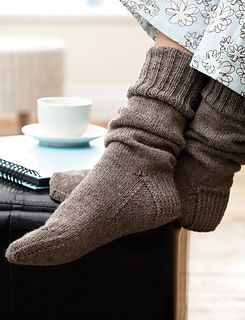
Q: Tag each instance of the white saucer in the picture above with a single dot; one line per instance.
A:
(36, 131)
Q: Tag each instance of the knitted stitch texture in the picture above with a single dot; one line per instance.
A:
(215, 150)
(131, 189)
(204, 174)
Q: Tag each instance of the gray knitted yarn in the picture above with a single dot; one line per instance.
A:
(215, 150)
(205, 169)
(131, 189)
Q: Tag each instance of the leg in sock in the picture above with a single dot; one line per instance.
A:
(131, 189)
(215, 150)
(62, 183)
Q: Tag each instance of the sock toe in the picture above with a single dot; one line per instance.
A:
(31, 249)
(63, 183)
(17, 252)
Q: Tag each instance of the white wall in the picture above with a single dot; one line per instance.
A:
(101, 56)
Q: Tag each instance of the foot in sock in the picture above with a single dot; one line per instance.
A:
(131, 189)
(63, 183)
(215, 150)
(204, 173)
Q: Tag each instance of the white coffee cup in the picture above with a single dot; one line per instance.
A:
(64, 116)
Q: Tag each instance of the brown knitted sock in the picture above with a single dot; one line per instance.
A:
(131, 189)
(215, 150)
(205, 169)
(63, 183)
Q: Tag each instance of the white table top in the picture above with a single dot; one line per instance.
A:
(27, 152)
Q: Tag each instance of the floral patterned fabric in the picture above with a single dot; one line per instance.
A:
(213, 30)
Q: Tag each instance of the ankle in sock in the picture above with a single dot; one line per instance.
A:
(215, 150)
(131, 189)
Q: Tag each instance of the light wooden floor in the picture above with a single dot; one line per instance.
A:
(217, 264)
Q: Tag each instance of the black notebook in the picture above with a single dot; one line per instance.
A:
(21, 175)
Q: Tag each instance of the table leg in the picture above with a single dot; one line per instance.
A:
(23, 118)
(182, 238)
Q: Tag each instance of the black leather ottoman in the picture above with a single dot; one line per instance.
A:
(131, 278)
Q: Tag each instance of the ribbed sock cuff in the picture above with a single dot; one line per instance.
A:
(167, 76)
(204, 210)
(225, 100)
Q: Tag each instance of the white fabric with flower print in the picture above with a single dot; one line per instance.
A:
(213, 30)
